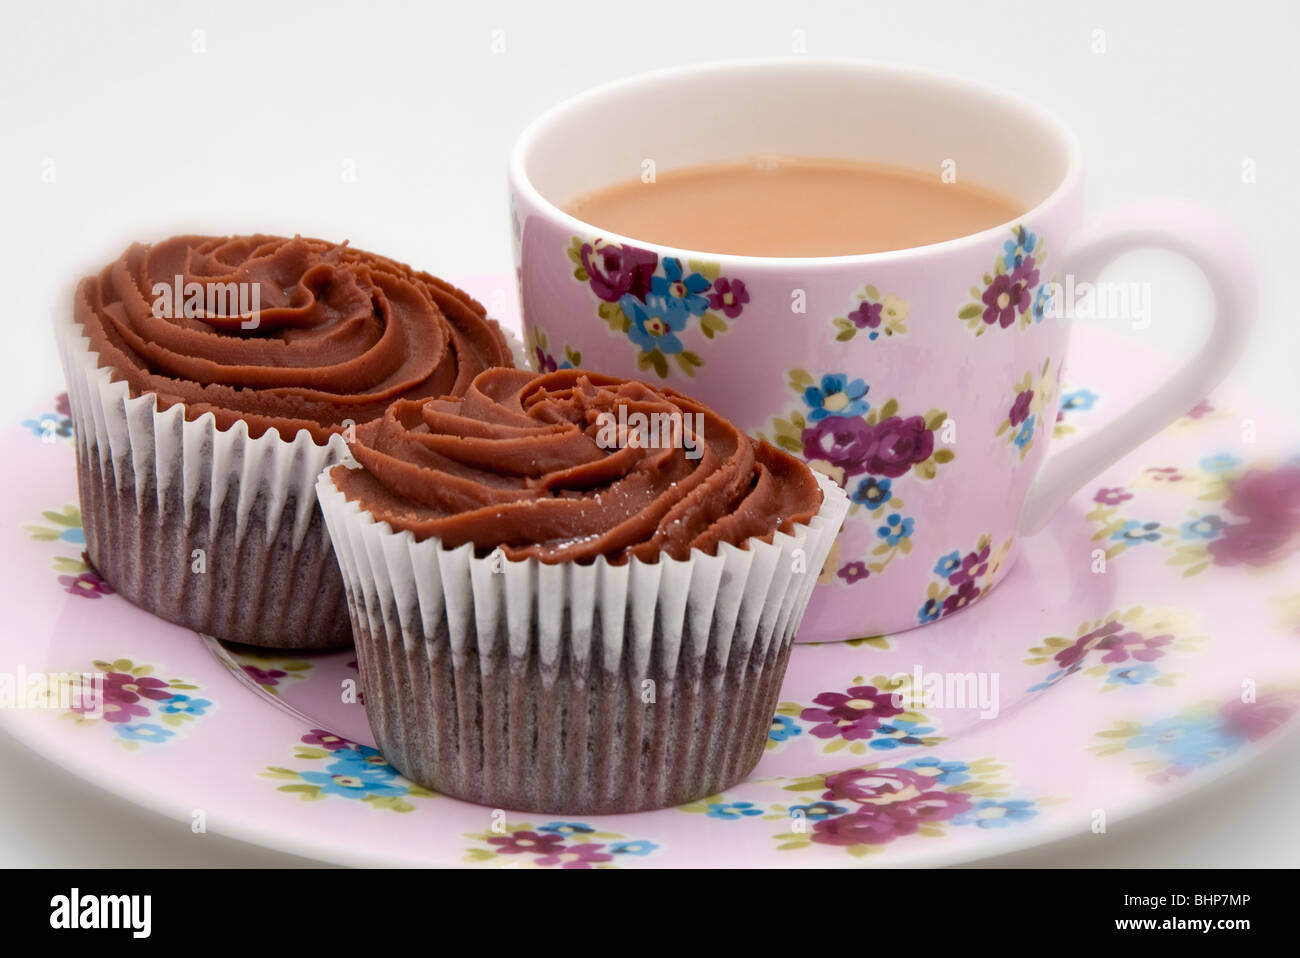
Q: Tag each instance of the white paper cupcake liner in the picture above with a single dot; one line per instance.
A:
(156, 488)
(573, 688)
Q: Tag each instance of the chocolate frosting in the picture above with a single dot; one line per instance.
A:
(526, 463)
(340, 333)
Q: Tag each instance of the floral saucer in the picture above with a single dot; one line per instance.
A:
(1146, 642)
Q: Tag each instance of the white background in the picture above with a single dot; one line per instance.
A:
(149, 128)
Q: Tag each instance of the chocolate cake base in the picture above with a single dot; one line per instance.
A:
(259, 588)
(576, 736)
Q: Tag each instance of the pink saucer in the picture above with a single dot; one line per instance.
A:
(1120, 645)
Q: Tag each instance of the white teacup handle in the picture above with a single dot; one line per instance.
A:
(1208, 244)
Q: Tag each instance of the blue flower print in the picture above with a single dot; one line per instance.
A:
(1025, 434)
(1220, 463)
(1134, 532)
(1206, 527)
(1188, 742)
(1041, 299)
(950, 773)
(632, 848)
(896, 529)
(1080, 399)
(144, 733)
(362, 762)
(653, 324)
(992, 813)
(783, 728)
(1017, 248)
(898, 733)
(730, 811)
(49, 426)
(817, 811)
(836, 396)
(872, 492)
(947, 565)
(1138, 674)
(679, 290)
(184, 705)
(932, 609)
(352, 786)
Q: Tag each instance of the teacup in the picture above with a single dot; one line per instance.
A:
(925, 380)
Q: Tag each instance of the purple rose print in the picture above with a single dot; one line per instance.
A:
(1004, 300)
(1020, 408)
(898, 444)
(852, 572)
(1111, 496)
(728, 296)
(846, 442)
(853, 714)
(1006, 293)
(973, 565)
(870, 825)
(327, 740)
(617, 271)
(1269, 500)
(1250, 543)
(867, 315)
(1026, 274)
(264, 676)
(880, 786)
(966, 593)
(86, 585)
(545, 362)
(1074, 654)
(1267, 495)
(1253, 720)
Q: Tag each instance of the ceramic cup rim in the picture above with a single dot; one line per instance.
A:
(1047, 121)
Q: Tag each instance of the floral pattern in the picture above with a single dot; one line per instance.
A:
(76, 577)
(1011, 294)
(1033, 397)
(139, 707)
(52, 426)
(1119, 650)
(870, 714)
(537, 347)
(868, 450)
(348, 770)
(557, 844)
(1201, 735)
(655, 301)
(962, 577)
(873, 316)
(921, 785)
(1257, 523)
(861, 810)
(269, 672)
(1073, 402)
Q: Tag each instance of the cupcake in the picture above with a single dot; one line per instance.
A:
(572, 593)
(211, 379)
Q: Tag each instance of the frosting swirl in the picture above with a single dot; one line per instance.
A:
(335, 333)
(561, 467)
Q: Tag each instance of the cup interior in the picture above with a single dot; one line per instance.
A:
(795, 107)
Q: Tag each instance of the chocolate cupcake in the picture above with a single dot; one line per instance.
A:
(572, 593)
(211, 379)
